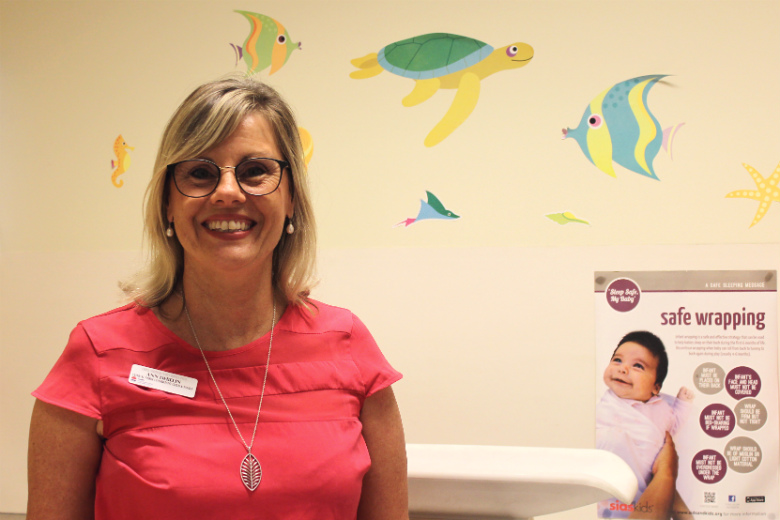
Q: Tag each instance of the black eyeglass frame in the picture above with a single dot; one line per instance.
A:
(283, 165)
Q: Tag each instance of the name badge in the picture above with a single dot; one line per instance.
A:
(165, 381)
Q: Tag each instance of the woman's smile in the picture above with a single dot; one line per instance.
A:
(228, 225)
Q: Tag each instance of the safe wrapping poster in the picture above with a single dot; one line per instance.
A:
(719, 330)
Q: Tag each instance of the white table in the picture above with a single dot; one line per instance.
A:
(509, 482)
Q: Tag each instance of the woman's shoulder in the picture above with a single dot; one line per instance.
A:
(129, 312)
(128, 324)
(318, 317)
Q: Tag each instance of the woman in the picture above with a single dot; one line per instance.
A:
(222, 391)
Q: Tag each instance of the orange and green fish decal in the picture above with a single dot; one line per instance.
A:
(122, 162)
(268, 44)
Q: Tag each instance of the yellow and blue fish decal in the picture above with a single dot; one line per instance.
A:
(618, 127)
(268, 44)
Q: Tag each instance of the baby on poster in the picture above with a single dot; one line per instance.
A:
(633, 416)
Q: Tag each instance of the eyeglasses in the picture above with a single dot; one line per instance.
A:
(200, 177)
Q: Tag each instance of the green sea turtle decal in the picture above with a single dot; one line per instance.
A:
(441, 60)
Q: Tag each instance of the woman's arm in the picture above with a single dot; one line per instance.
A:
(656, 501)
(384, 495)
(63, 458)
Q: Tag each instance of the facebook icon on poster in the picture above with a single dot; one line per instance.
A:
(732, 498)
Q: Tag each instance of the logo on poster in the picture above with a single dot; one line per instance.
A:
(623, 294)
(617, 505)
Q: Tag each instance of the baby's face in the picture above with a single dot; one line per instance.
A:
(631, 372)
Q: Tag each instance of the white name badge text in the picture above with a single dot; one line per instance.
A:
(165, 381)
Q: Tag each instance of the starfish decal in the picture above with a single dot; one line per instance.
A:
(768, 191)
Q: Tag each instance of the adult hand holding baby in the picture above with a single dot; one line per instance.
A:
(656, 502)
(666, 463)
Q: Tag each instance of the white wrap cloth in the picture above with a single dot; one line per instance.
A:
(635, 431)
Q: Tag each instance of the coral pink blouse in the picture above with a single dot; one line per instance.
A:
(171, 457)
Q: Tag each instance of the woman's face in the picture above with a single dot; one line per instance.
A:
(253, 225)
(631, 372)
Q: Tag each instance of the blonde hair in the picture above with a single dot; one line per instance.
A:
(206, 118)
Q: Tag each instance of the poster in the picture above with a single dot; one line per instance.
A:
(718, 399)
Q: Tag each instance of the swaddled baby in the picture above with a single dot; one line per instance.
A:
(633, 416)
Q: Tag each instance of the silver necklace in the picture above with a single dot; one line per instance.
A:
(251, 473)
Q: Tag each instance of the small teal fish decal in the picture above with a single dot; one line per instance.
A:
(618, 126)
(268, 44)
(433, 209)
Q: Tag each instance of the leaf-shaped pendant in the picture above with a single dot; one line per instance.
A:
(251, 473)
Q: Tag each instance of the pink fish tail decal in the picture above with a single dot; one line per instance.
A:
(406, 223)
(669, 134)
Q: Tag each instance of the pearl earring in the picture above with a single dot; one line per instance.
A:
(169, 231)
(290, 228)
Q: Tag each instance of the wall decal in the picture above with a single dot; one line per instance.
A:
(768, 191)
(307, 144)
(618, 126)
(122, 162)
(669, 134)
(239, 51)
(443, 61)
(268, 44)
(565, 218)
(433, 209)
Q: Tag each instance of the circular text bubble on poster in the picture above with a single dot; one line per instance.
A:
(743, 382)
(623, 294)
(751, 414)
(743, 454)
(709, 466)
(708, 378)
(717, 420)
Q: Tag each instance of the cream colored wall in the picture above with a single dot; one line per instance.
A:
(490, 317)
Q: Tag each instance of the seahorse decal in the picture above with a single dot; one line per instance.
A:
(122, 162)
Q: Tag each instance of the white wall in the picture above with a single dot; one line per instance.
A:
(490, 317)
